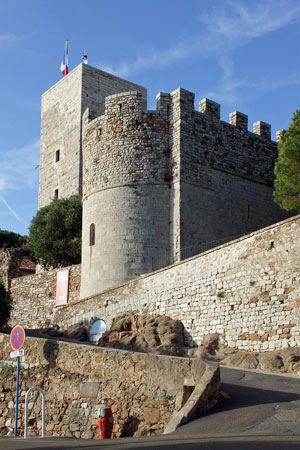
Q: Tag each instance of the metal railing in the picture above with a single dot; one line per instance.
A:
(163, 258)
(34, 388)
(188, 252)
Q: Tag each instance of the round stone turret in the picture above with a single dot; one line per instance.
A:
(126, 205)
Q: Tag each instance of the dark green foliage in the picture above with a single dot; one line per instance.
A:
(287, 167)
(10, 239)
(55, 233)
(5, 305)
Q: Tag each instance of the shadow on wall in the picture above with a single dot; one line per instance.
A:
(130, 426)
(50, 351)
(188, 339)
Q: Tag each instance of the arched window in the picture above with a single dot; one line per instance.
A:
(92, 234)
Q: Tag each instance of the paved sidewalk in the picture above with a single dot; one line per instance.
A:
(167, 442)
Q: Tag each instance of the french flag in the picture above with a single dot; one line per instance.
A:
(64, 67)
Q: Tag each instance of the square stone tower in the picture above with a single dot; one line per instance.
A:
(62, 108)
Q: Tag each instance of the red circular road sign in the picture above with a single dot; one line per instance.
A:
(17, 337)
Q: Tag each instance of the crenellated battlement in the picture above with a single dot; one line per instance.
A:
(239, 120)
(153, 183)
(196, 142)
(210, 109)
(182, 102)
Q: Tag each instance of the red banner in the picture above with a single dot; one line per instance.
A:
(62, 287)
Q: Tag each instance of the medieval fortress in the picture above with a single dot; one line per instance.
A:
(157, 187)
(153, 183)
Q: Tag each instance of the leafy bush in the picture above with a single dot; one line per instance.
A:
(55, 233)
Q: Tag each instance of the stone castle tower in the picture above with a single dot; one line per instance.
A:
(62, 108)
(157, 186)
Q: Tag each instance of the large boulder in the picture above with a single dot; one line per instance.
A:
(244, 360)
(146, 333)
(208, 347)
(270, 361)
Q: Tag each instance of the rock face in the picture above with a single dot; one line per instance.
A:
(146, 333)
(283, 361)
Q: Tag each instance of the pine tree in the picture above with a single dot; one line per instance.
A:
(287, 167)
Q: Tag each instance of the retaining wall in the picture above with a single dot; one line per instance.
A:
(141, 389)
(247, 291)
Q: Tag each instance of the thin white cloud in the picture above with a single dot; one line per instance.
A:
(227, 91)
(156, 58)
(223, 30)
(6, 39)
(230, 32)
(229, 87)
(18, 172)
(17, 169)
(248, 22)
(14, 213)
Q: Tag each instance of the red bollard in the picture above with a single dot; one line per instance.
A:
(105, 422)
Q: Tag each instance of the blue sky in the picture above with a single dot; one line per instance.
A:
(242, 54)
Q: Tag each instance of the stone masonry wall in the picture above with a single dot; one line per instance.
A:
(248, 291)
(125, 193)
(14, 262)
(140, 388)
(61, 129)
(34, 297)
(226, 172)
(61, 132)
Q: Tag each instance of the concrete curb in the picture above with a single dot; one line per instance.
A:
(198, 396)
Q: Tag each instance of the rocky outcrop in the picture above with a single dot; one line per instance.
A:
(146, 333)
(283, 361)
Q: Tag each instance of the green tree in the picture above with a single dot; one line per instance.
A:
(5, 305)
(55, 233)
(10, 239)
(287, 167)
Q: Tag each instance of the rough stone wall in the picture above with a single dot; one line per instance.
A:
(14, 263)
(140, 388)
(34, 297)
(226, 173)
(62, 108)
(247, 291)
(61, 132)
(158, 185)
(125, 193)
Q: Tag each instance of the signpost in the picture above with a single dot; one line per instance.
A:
(17, 339)
(17, 353)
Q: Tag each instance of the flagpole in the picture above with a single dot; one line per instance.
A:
(66, 57)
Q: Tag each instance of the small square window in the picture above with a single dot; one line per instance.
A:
(57, 155)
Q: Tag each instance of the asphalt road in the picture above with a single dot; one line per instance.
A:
(257, 412)
(258, 403)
